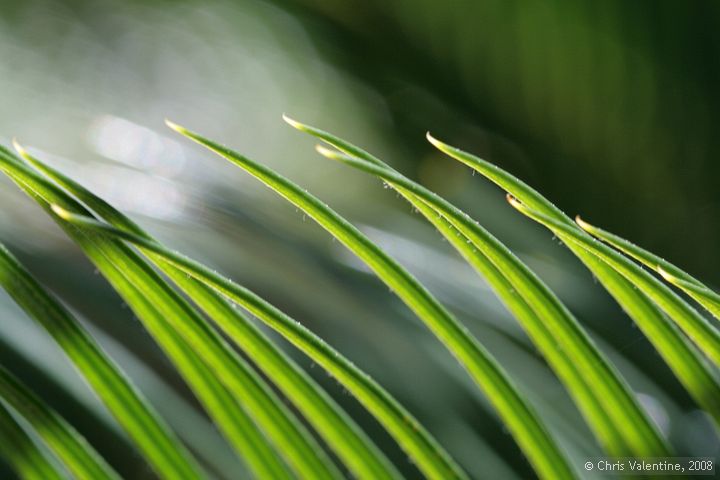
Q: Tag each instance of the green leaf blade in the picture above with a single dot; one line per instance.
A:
(400, 423)
(106, 379)
(69, 446)
(695, 375)
(21, 452)
(687, 318)
(363, 458)
(681, 357)
(521, 420)
(116, 262)
(671, 273)
(455, 230)
(619, 423)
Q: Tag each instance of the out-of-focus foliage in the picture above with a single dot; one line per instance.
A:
(609, 108)
(575, 95)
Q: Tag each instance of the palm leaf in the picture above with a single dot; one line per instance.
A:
(675, 275)
(21, 452)
(521, 420)
(547, 321)
(122, 399)
(682, 358)
(168, 318)
(341, 433)
(79, 457)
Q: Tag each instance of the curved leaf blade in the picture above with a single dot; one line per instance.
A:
(127, 272)
(531, 435)
(700, 292)
(493, 260)
(342, 434)
(21, 452)
(688, 366)
(686, 317)
(112, 386)
(703, 385)
(78, 456)
(290, 437)
(605, 400)
(408, 432)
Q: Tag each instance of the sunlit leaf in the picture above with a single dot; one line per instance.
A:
(607, 403)
(521, 420)
(342, 434)
(71, 448)
(21, 452)
(673, 274)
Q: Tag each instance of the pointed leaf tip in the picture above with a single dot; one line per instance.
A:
(583, 224)
(19, 148)
(514, 201)
(326, 152)
(175, 126)
(433, 140)
(60, 211)
(665, 274)
(291, 122)
(443, 147)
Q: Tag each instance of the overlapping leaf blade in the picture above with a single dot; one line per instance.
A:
(79, 457)
(521, 420)
(587, 394)
(681, 357)
(673, 274)
(342, 434)
(21, 452)
(163, 311)
(409, 433)
(251, 415)
(685, 316)
(590, 379)
(706, 388)
(107, 380)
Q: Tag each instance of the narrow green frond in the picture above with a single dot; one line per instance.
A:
(703, 384)
(337, 142)
(290, 437)
(683, 359)
(167, 318)
(594, 384)
(602, 396)
(671, 273)
(21, 453)
(150, 433)
(408, 432)
(505, 180)
(531, 435)
(687, 318)
(702, 294)
(79, 457)
(342, 434)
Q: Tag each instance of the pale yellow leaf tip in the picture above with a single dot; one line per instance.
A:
(326, 152)
(175, 126)
(437, 143)
(19, 148)
(666, 275)
(292, 123)
(514, 202)
(583, 224)
(443, 147)
(60, 212)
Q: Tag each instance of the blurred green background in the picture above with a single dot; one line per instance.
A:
(609, 108)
